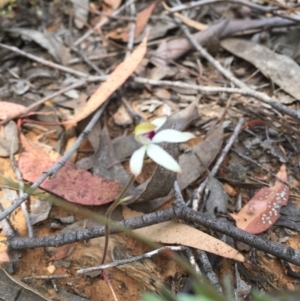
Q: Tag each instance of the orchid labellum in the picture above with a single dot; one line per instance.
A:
(147, 134)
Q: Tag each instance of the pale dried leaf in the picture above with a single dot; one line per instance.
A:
(39, 211)
(191, 23)
(9, 140)
(181, 234)
(279, 68)
(3, 3)
(8, 109)
(46, 40)
(122, 117)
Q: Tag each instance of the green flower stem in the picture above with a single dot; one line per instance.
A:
(119, 200)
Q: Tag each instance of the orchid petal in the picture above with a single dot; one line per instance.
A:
(137, 160)
(144, 128)
(161, 157)
(172, 136)
(142, 139)
(158, 122)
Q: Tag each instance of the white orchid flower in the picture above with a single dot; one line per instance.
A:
(146, 134)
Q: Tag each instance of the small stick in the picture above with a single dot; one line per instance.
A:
(213, 90)
(94, 57)
(43, 61)
(192, 260)
(182, 212)
(102, 22)
(216, 167)
(47, 277)
(87, 60)
(21, 190)
(264, 168)
(136, 117)
(208, 270)
(131, 31)
(195, 4)
(5, 226)
(130, 260)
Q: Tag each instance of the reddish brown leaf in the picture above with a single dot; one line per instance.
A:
(187, 21)
(8, 109)
(62, 252)
(4, 257)
(262, 211)
(142, 19)
(71, 183)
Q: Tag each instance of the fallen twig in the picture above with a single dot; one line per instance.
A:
(220, 160)
(179, 212)
(132, 30)
(21, 191)
(102, 22)
(130, 260)
(213, 90)
(195, 4)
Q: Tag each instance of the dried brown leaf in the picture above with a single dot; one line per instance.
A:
(142, 19)
(191, 23)
(281, 69)
(263, 210)
(181, 234)
(62, 252)
(52, 43)
(9, 140)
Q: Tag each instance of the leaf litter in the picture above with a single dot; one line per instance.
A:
(107, 148)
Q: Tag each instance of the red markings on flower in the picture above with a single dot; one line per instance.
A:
(151, 135)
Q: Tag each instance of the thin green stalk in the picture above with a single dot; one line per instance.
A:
(119, 200)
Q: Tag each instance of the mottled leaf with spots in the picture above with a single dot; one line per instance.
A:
(262, 211)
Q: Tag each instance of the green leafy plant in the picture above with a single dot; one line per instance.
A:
(206, 292)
